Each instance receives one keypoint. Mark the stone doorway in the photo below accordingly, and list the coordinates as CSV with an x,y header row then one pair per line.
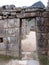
x,y
28,36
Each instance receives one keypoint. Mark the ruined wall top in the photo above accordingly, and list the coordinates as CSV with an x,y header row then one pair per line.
x,y
13,12
18,12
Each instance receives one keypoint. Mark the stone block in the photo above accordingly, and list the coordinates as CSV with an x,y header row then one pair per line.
x,y
40,29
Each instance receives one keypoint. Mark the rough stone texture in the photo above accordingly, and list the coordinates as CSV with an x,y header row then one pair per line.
x,y
9,31
9,27
42,29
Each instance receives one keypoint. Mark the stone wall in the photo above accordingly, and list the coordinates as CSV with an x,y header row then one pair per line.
x,y
42,31
9,32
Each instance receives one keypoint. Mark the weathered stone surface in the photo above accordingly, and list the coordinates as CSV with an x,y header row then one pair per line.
x,y
46,14
9,28
40,21
9,32
46,21
40,29
42,41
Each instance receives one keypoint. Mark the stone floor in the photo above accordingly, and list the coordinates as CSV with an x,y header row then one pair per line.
x,y
20,62
29,43
29,47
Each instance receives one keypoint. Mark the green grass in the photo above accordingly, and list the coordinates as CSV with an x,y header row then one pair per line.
x,y
44,60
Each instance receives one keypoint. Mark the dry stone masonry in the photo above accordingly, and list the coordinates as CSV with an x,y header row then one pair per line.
x,y
14,26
